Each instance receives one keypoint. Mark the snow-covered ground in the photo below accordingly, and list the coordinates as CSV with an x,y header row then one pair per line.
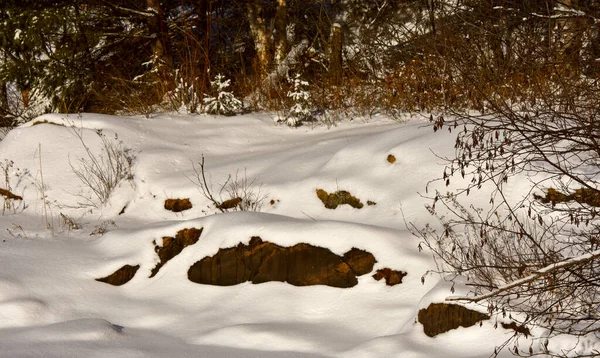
x,y
52,306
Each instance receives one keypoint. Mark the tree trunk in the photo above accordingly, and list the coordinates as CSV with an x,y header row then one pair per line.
x,y
204,12
335,55
25,97
4,110
572,35
280,36
3,97
431,6
258,30
158,30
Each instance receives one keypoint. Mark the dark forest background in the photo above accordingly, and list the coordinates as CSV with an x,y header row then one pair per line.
x,y
358,57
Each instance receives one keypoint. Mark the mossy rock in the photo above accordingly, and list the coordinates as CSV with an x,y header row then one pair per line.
x,y
340,197
45,121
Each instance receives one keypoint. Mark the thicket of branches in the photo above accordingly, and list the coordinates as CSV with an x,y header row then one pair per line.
x,y
531,257
143,56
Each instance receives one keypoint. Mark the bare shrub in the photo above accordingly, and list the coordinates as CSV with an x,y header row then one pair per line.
x,y
101,173
248,190
534,259
236,193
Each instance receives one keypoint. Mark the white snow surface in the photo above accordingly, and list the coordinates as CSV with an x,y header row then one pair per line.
x,y
52,306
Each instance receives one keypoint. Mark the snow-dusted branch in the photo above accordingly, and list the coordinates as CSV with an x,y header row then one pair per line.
x,y
534,276
292,58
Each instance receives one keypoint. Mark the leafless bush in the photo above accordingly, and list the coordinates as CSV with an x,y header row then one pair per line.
x,y
101,173
236,193
534,259
251,193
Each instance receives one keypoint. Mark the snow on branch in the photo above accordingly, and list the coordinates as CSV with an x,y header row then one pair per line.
x,y
148,13
534,276
292,58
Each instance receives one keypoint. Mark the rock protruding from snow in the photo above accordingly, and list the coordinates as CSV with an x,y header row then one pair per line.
x,y
340,197
178,205
121,276
441,317
172,246
299,265
392,277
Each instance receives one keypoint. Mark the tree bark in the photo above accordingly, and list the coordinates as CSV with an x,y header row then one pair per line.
x,y
158,30
335,55
280,35
258,30
572,34
3,97
204,12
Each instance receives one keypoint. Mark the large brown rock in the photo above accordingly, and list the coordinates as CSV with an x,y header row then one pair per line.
x,y
172,246
121,276
299,265
442,317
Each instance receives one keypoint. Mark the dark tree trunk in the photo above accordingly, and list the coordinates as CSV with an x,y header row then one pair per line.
x,y
335,56
158,30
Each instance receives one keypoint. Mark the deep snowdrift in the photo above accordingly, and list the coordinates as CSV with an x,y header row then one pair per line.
x,y
51,304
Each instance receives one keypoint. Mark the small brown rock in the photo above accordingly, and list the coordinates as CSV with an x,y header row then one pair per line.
x,y
391,158
172,246
340,197
7,194
177,205
517,328
392,277
360,261
230,204
121,276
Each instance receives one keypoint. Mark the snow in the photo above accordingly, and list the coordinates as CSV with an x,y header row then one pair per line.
x,y
51,305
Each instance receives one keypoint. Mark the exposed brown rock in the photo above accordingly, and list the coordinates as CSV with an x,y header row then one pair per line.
x,y
391,158
121,276
333,200
392,277
299,265
8,195
177,205
229,204
583,196
442,317
517,328
172,246
360,261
